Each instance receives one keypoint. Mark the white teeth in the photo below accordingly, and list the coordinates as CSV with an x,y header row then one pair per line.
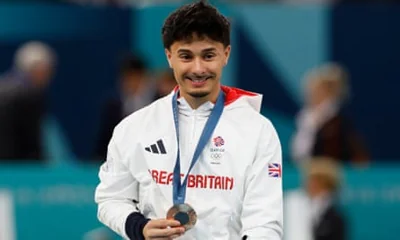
x,y
198,80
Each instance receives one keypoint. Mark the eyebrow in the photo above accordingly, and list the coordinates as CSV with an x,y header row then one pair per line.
x,y
184,51
211,49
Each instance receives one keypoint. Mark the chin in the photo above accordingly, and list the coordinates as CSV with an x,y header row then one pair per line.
x,y
199,93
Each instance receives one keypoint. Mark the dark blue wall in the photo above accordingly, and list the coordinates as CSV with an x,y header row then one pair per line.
x,y
367,40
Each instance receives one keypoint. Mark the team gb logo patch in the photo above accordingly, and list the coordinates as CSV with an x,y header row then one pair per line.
x,y
217,151
218,141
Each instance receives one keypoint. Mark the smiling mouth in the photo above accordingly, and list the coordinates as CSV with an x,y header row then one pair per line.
x,y
198,80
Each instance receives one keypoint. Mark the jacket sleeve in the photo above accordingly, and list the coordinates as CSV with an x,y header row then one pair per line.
x,y
262,213
117,192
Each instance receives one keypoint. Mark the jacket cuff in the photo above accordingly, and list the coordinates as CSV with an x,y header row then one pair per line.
x,y
134,226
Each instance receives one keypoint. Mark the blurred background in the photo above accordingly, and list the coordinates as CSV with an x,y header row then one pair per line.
x,y
328,70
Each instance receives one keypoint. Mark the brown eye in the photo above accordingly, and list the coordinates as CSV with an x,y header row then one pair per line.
x,y
185,57
209,56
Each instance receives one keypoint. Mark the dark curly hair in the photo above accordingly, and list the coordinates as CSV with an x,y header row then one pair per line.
x,y
200,19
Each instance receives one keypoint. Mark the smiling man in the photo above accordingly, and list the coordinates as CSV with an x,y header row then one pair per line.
x,y
202,162
197,61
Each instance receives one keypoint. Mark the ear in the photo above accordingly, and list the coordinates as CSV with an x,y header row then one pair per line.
x,y
169,56
227,53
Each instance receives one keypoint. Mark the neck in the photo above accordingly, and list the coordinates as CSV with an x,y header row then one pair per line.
x,y
196,102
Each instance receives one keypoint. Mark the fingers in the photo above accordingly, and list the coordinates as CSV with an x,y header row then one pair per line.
x,y
166,232
163,229
167,238
176,236
164,223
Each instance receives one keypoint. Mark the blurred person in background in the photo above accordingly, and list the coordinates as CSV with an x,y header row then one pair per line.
x,y
23,102
165,84
136,92
313,213
323,129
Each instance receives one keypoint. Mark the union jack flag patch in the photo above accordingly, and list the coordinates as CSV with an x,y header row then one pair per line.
x,y
274,170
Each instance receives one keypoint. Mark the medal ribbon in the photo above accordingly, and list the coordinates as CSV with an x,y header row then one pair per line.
x,y
179,190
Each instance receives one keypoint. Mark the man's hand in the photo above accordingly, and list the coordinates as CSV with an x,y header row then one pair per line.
x,y
162,229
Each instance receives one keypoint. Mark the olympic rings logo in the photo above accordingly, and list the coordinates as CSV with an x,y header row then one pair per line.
x,y
216,155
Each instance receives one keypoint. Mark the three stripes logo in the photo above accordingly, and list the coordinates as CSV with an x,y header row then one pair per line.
x,y
157,148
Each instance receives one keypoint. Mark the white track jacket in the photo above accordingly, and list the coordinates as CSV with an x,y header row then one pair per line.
x,y
235,186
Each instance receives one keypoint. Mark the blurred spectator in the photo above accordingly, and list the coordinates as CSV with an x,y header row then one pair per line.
x,y
323,182
136,91
165,84
323,129
313,213
22,102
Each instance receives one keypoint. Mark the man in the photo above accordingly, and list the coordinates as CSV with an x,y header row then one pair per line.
x,y
22,102
234,189
135,92
323,180
323,129
313,212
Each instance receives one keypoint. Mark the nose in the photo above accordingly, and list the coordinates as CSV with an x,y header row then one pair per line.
x,y
198,66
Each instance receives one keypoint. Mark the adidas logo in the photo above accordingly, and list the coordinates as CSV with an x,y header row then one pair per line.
x,y
157,148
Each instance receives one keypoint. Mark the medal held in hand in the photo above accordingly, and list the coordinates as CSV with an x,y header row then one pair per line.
x,y
181,211
184,214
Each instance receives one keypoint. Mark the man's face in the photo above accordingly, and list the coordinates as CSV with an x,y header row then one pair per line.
x,y
131,81
316,93
198,66
41,74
